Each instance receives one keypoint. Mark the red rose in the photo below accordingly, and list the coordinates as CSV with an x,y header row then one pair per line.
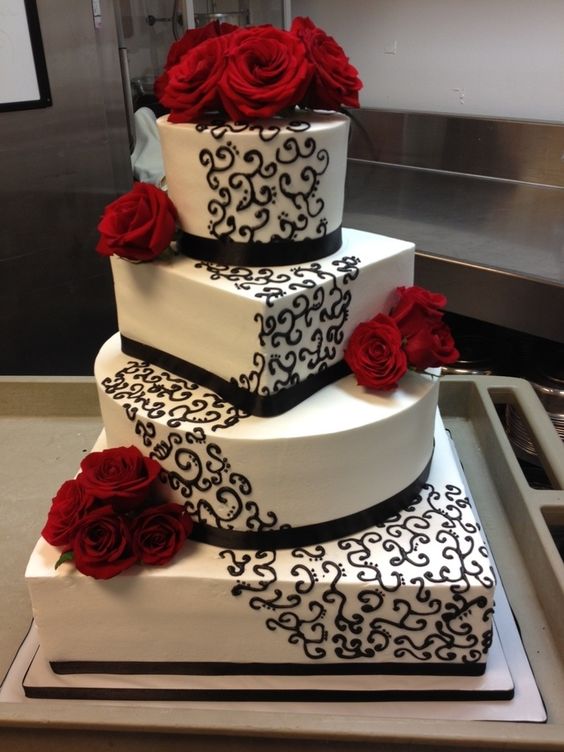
x,y
431,347
266,72
122,476
416,308
70,504
192,38
427,340
374,353
139,225
159,532
335,81
192,87
102,544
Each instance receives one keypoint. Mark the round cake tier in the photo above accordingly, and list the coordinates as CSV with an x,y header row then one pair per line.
x,y
240,186
340,458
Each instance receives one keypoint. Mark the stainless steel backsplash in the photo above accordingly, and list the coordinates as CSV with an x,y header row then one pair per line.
x,y
524,151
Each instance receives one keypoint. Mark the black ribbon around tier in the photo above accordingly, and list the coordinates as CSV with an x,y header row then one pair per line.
x,y
264,406
273,253
309,535
141,693
269,406
228,668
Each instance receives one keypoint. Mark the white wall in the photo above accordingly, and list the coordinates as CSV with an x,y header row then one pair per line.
x,y
498,58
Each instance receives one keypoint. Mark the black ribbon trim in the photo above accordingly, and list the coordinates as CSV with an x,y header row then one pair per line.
x,y
266,406
228,668
273,253
267,695
309,535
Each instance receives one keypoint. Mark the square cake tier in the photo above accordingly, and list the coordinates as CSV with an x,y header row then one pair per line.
x,y
414,594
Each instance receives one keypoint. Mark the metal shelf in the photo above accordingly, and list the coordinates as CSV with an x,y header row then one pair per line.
x,y
482,200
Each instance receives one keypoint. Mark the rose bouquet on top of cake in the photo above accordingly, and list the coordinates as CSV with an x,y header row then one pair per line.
x,y
255,72
243,74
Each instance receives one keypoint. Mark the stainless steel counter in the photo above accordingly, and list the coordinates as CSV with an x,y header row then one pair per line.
x,y
493,245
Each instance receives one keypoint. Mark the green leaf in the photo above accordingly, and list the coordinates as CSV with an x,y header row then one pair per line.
x,y
67,556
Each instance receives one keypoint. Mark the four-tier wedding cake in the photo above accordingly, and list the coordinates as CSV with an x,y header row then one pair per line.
x,y
273,492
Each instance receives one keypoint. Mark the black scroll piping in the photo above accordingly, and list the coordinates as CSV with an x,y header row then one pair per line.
x,y
265,406
321,532
280,252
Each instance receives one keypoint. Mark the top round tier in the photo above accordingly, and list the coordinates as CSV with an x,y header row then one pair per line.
x,y
264,193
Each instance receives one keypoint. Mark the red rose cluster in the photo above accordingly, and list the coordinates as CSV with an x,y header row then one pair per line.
x,y
105,518
255,72
139,225
412,336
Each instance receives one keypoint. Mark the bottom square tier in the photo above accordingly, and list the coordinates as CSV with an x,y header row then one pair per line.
x,y
413,595
495,684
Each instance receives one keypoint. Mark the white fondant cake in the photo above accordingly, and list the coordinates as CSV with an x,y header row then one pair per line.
x,y
271,180
320,542
411,595
258,335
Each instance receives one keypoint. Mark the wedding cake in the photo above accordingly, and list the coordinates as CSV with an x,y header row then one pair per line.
x,y
274,492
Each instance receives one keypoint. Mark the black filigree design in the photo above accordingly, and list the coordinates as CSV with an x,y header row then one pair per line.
x,y
360,555
252,181
390,591
303,196
158,394
271,284
307,331
262,567
196,468
219,128
463,561
237,566
215,494
267,282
